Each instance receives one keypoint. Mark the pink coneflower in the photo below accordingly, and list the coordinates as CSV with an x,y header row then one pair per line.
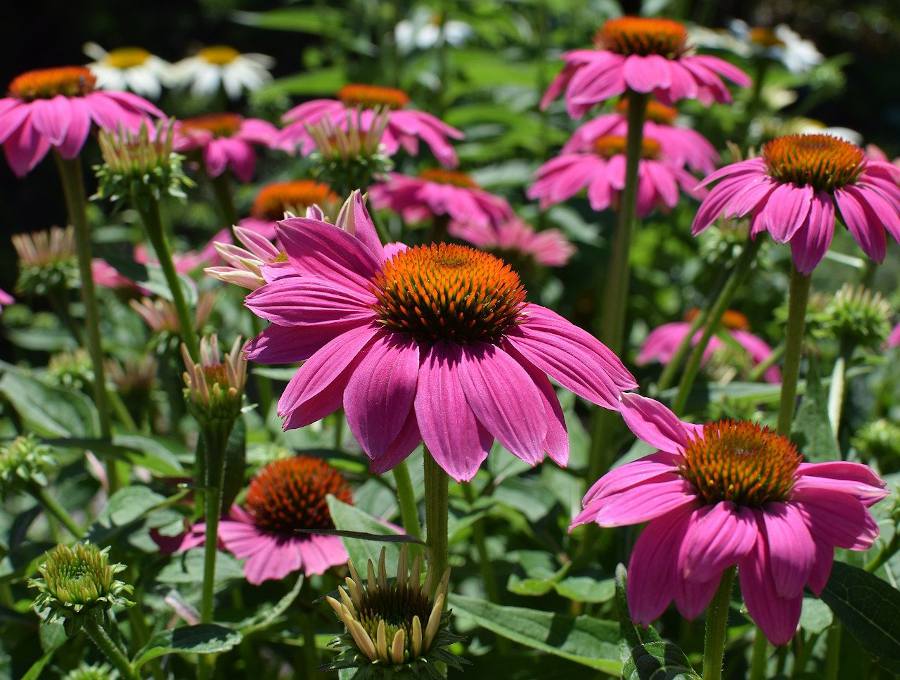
x,y
730,493
55,108
602,172
5,299
405,127
287,495
643,55
796,188
892,341
662,342
515,238
681,146
434,342
440,194
274,199
226,140
107,276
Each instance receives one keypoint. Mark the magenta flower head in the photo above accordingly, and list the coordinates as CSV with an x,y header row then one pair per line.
x,y
601,170
362,104
643,55
517,240
662,342
797,187
437,194
432,343
682,146
55,108
730,493
226,141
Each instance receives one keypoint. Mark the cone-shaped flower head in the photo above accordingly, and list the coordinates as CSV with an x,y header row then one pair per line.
x,y
78,580
724,494
397,627
214,386
856,316
798,187
46,260
24,462
139,162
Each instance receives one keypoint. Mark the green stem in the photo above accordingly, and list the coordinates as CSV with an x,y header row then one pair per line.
x,y
615,297
484,560
763,366
222,188
836,391
110,649
717,628
759,658
406,497
833,652
310,652
148,207
887,552
73,188
53,506
215,440
437,504
671,369
793,348
713,319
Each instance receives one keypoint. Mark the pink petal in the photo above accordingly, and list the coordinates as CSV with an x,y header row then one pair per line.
x,y
12,118
25,148
645,74
654,423
381,391
504,399
865,227
717,537
626,476
79,127
276,561
403,445
836,519
641,503
811,242
309,301
853,478
775,615
791,548
451,432
50,118
288,345
785,211
317,387
358,222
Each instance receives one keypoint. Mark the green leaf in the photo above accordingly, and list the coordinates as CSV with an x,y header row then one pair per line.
x,y
267,615
129,504
49,411
869,608
815,617
235,463
322,81
187,569
204,638
587,589
157,454
527,495
811,429
348,518
320,20
585,640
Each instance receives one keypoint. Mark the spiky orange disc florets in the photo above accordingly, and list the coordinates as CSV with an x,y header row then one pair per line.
x,y
370,96
741,462
448,292
658,113
219,124
274,199
46,83
290,494
821,161
608,146
643,36
441,176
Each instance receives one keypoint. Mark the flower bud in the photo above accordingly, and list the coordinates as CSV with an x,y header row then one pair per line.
x,y
46,260
25,462
214,387
856,316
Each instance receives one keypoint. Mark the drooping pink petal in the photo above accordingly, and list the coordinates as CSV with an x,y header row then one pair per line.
x,y
288,345
863,224
811,242
654,423
50,118
776,616
785,211
319,553
836,518
791,548
449,428
77,132
639,471
641,503
853,478
718,536
504,399
380,394
403,445
309,301
646,73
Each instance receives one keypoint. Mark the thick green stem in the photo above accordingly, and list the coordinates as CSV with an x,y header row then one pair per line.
x,y
73,188
615,295
793,348
713,319
717,628
110,649
310,652
759,658
437,504
53,506
148,207
406,497
222,187
215,440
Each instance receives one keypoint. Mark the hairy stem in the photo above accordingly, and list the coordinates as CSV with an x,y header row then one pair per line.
x,y
717,628
110,649
437,504
793,348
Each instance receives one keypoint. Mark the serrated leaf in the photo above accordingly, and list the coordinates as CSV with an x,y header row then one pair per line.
x,y
811,429
584,640
869,608
204,638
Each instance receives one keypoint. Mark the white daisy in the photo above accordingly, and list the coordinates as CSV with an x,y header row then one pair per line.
x,y
781,44
223,66
128,68
422,30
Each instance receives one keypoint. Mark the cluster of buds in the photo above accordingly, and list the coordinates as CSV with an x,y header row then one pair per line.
x,y
24,463
214,386
47,261
350,157
397,628
76,582
162,318
855,316
139,163
71,369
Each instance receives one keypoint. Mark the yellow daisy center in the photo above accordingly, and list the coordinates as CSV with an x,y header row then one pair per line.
x,y
821,161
